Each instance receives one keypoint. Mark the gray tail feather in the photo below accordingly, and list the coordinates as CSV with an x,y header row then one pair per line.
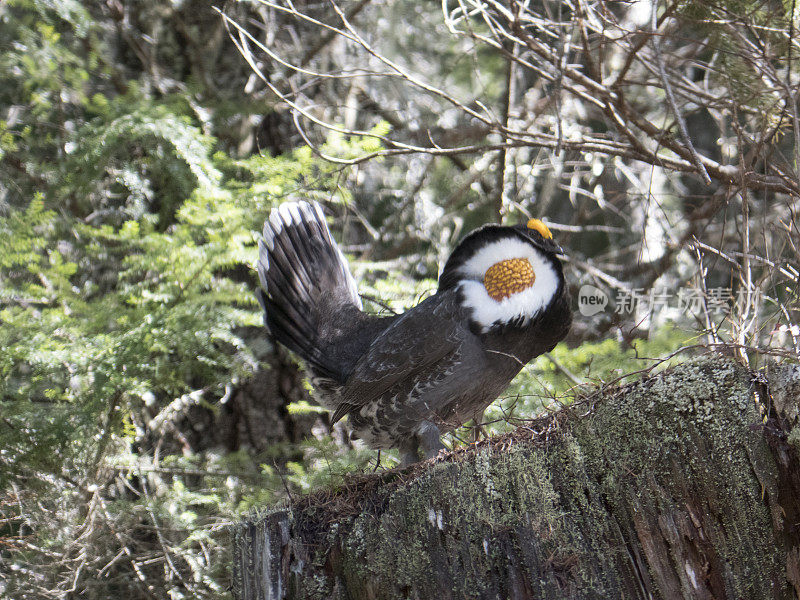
x,y
300,268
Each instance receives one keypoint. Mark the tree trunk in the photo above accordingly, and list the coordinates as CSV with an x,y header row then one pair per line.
x,y
683,485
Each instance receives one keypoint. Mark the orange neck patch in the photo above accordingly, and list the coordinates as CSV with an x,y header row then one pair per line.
x,y
508,277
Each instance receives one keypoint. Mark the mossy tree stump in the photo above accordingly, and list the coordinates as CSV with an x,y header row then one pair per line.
x,y
683,485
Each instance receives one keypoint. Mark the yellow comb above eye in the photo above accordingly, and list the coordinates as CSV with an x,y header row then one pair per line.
x,y
540,227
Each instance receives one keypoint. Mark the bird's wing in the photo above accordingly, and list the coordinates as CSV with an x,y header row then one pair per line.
x,y
430,333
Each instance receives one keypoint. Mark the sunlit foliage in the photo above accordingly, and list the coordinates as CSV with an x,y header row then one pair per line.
x,y
139,157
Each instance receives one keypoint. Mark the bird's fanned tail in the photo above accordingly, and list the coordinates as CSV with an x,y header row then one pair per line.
x,y
304,281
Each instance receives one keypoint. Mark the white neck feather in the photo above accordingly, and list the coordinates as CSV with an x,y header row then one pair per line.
x,y
486,311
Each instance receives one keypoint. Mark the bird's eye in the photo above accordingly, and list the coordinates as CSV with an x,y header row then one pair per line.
x,y
508,277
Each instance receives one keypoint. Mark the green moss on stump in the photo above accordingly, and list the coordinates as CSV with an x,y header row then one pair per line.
x,y
666,489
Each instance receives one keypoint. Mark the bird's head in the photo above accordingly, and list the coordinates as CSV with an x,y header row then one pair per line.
x,y
507,275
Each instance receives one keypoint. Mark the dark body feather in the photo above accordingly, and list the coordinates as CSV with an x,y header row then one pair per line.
x,y
402,380
431,366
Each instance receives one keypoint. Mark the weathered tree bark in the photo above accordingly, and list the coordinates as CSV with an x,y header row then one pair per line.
x,y
683,485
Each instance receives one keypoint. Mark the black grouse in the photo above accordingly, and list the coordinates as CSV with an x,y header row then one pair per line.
x,y
404,380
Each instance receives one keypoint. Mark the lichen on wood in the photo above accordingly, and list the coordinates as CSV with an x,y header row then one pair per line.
x,y
682,485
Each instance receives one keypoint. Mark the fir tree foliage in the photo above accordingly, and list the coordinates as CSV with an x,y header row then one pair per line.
x,y
125,286
133,187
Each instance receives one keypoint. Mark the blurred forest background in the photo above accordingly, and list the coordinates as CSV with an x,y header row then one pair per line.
x,y
142,144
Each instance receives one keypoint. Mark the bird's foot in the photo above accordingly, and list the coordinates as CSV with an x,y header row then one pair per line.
x,y
478,432
427,439
430,440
